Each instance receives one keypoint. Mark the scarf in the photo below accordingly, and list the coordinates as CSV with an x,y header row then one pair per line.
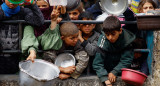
x,y
46,13
8,11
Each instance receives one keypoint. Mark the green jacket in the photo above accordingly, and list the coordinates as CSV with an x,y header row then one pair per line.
x,y
49,40
112,57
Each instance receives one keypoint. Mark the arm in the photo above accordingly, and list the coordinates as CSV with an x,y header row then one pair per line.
x,y
126,59
33,15
82,59
29,43
98,66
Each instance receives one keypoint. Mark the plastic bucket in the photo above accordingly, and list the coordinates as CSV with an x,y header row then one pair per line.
x,y
58,2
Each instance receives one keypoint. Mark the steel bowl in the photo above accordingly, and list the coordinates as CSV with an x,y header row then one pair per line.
x,y
65,60
72,4
38,73
114,7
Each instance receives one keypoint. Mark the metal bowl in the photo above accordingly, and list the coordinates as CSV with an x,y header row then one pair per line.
x,y
40,70
72,4
115,7
65,60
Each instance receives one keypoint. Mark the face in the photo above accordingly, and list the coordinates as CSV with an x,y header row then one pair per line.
x,y
147,6
10,5
74,14
42,4
87,28
113,36
70,40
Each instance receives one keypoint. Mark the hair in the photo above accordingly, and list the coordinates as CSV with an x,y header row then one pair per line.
x,y
68,29
111,23
139,43
87,15
80,8
142,2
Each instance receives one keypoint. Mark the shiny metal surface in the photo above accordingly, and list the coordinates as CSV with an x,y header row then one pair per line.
x,y
40,70
115,7
65,60
72,4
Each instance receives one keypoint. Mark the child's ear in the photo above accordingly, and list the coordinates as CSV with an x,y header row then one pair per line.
x,y
62,37
120,31
94,25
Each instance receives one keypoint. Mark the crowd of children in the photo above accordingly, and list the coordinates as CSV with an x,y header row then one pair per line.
x,y
106,51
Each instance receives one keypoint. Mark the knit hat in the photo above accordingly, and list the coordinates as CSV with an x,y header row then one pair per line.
x,y
16,1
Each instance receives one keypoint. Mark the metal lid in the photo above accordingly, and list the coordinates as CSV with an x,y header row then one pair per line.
x,y
114,7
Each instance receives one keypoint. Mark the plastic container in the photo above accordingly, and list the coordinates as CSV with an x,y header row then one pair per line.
x,y
148,22
133,77
58,2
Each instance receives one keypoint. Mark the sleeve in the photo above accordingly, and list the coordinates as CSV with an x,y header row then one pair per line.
x,y
126,59
98,66
90,47
82,59
51,39
33,15
29,41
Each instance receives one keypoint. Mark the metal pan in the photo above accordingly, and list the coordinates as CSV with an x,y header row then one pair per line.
x,y
114,7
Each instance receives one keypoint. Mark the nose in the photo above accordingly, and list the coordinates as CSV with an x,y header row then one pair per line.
x,y
75,40
71,16
109,37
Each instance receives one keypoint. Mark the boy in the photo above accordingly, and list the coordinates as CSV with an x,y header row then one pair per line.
x,y
9,33
88,37
114,51
53,43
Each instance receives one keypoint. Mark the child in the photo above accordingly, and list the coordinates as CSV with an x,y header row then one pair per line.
x,y
9,33
144,7
75,13
54,44
88,37
114,51
140,58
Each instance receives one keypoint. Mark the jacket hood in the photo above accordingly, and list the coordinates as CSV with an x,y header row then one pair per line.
x,y
123,41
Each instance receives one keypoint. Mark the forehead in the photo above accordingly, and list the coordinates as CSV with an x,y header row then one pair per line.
x,y
74,11
41,2
147,4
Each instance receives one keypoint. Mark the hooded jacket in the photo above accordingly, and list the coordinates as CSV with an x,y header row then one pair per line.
x,y
112,57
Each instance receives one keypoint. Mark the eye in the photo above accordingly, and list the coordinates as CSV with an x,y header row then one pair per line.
x,y
75,13
44,5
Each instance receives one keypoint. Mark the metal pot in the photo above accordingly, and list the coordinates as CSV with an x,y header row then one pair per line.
x,y
39,73
65,60
72,4
114,7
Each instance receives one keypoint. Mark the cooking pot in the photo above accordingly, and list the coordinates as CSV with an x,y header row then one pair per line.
x,y
39,73
65,60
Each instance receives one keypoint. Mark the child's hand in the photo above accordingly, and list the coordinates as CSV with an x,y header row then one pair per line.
x,y
63,10
59,20
64,76
32,55
69,69
111,77
80,36
108,83
55,13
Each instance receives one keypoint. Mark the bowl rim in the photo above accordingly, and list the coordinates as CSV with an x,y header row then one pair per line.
x,y
38,60
56,60
127,69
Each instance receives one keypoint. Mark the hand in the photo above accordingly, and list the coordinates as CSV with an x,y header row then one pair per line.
x,y
80,36
108,83
64,76
32,55
63,10
59,20
55,13
69,69
111,77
